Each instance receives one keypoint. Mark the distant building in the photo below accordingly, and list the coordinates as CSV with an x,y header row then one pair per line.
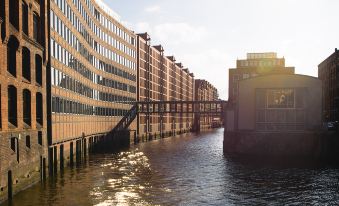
x,y
205,91
256,64
328,72
161,78
279,103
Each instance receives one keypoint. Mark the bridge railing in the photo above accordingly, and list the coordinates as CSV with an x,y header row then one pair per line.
x,y
210,108
202,107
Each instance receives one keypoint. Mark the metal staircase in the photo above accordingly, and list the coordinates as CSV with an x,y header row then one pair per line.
x,y
126,120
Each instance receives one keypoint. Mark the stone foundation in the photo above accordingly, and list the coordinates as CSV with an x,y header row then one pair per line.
x,y
307,144
21,165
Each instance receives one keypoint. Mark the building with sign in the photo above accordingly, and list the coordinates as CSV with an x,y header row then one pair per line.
x,y
275,114
279,103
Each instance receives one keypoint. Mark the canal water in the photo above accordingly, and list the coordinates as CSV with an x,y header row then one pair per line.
x,y
185,170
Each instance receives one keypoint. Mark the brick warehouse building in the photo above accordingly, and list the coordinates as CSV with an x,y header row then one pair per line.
x,y
328,72
256,64
160,78
93,74
205,91
23,119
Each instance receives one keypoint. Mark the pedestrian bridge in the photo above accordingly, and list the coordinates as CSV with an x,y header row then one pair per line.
x,y
210,108
119,136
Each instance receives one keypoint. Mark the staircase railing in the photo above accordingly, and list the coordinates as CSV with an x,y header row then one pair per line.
x,y
126,120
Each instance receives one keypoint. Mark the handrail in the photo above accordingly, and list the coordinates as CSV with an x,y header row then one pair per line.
x,y
126,120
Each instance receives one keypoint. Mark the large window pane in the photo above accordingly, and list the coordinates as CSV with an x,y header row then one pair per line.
x,y
24,18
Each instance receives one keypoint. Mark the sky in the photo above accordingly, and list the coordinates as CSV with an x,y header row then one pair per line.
x,y
209,36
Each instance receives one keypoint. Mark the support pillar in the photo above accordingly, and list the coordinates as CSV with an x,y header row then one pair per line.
x,y
55,167
61,157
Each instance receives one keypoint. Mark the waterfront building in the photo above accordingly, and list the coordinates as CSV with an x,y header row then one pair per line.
x,y
328,72
160,78
23,113
205,91
93,74
256,64
276,114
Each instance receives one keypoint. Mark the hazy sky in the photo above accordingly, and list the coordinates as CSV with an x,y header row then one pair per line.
x,y
207,36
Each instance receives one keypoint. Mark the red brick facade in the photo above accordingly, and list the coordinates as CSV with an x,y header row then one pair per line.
x,y
160,78
205,91
23,119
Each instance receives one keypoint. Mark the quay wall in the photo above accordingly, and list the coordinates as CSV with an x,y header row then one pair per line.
x,y
282,144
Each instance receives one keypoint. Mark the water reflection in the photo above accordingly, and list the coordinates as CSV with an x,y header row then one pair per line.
x,y
121,184
185,170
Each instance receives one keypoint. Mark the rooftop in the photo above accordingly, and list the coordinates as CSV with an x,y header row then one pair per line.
x,y
264,55
108,10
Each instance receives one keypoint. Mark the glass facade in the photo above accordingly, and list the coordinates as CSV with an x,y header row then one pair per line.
x,y
93,72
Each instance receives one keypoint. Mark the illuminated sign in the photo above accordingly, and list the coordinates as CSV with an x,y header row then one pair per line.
x,y
280,98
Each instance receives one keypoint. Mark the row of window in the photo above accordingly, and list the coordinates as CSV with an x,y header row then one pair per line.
x,y
274,62
14,144
25,18
61,54
74,42
88,74
26,107
62,80
12,48
14,18
60,27
116,71
65,106
103,20
116,85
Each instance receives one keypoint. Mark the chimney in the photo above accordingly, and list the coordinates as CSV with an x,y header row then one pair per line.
x,y
172,58
145,36
159,48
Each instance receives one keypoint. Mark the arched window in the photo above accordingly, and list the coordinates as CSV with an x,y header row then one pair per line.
x,y
39,108
12,105
26,97
2,9
12,47
26,63
36,28
24,14
28,141
38,69
13,14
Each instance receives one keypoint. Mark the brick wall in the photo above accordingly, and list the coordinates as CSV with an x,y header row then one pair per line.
x,y
22,145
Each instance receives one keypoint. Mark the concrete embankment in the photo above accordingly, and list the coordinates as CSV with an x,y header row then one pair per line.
x,y
309,145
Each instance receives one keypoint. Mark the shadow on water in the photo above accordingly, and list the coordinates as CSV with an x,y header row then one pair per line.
x,y
282,162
